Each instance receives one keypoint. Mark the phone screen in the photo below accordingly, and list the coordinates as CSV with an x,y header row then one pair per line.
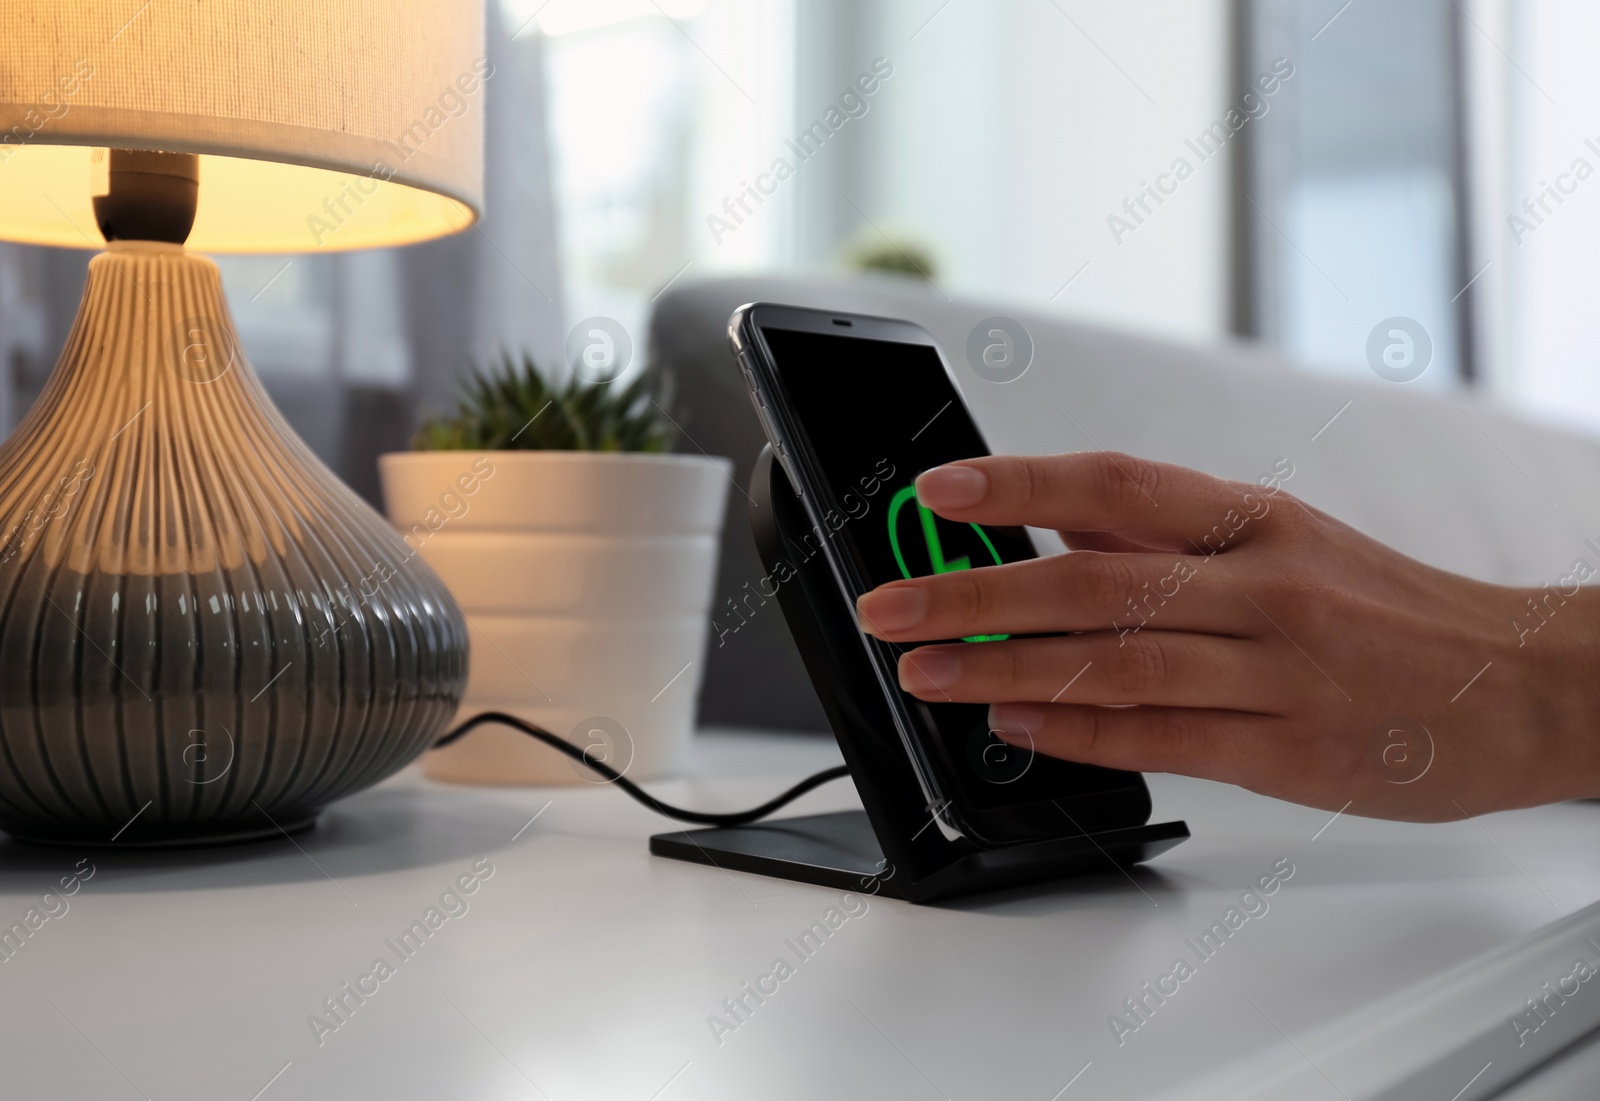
x,y
874,414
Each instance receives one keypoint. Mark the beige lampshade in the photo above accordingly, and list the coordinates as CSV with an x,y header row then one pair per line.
x,y
320,125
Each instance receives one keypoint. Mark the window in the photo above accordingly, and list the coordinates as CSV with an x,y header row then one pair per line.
x,y
640,165
1352,210
1538,202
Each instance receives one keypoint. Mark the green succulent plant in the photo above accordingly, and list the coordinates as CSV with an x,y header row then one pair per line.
x,y
880,254
512,406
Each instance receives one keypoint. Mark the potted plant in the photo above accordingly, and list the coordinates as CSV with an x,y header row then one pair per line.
x,y
582,554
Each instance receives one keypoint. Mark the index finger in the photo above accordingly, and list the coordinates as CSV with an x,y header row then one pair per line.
x,y
1098,491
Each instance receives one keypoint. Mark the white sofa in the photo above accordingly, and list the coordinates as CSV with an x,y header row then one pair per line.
x,y
1446,478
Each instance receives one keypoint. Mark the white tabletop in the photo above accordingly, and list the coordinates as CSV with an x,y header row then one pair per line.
x,y
582,967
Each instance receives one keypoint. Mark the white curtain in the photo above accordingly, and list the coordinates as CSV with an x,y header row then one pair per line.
x,y
1536,201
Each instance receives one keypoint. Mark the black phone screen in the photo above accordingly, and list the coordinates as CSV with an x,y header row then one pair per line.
x,y
874,414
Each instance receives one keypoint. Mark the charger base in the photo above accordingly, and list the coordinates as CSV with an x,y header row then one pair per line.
x,y
841,851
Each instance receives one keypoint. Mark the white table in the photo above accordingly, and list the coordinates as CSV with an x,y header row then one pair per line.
x,y
585,968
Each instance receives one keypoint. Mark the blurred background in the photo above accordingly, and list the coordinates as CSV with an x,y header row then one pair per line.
x,y
1413,157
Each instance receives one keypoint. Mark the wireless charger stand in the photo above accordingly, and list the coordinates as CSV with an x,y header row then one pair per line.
x,y
892,847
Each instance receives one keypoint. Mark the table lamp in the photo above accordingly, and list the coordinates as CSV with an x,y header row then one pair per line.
x,y
204,634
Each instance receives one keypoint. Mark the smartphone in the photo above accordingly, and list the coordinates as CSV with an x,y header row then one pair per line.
x,y
855,408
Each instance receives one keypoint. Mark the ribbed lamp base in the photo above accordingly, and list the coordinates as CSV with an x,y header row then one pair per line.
x,y
204,635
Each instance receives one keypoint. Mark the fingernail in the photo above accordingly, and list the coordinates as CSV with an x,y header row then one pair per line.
x,y
929,670
1015,720
896,609
952,487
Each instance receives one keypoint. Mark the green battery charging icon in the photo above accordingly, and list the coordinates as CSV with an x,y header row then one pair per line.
x,y
929,526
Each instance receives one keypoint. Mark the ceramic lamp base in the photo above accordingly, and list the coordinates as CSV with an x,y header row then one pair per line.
x,y
204,635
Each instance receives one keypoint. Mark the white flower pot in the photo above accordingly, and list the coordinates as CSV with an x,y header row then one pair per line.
x,y
586,580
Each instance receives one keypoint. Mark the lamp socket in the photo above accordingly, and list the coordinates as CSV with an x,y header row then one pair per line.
x,y
142,195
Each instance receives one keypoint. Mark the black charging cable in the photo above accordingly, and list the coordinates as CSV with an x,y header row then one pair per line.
x,y
581,755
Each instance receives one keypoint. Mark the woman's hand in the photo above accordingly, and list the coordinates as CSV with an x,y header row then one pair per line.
x,y
1258,641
